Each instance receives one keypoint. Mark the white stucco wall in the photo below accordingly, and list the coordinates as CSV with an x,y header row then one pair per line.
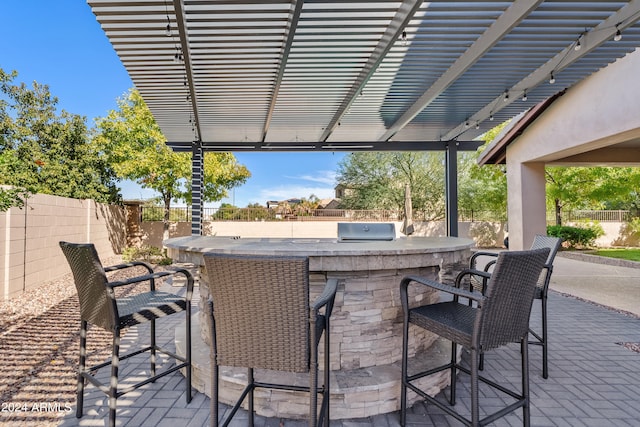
x,y
598,112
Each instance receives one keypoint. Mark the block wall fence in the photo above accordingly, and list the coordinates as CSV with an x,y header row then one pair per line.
x,y
486,234
29,236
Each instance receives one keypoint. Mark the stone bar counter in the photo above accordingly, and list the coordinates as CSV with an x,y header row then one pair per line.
x,y
366,325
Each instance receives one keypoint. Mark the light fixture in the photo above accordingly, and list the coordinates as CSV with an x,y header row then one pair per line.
x,y
578,44
506,96
618,36
524,96
168,30
466,123
477,125
552,79
177,58
404,38
491,116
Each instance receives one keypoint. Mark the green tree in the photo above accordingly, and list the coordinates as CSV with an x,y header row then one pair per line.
x,y
307,206
134,145
482,188
43,151
259,212
368,178
629,197
588,187
11,197
377,180
227,211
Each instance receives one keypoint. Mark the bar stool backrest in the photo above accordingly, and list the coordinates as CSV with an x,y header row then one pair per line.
x,y
505,313
261,311
97,300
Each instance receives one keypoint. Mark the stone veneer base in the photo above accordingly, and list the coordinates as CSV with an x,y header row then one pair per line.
x,y
371,391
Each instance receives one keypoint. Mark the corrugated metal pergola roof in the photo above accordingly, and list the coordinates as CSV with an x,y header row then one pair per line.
x,y
334,74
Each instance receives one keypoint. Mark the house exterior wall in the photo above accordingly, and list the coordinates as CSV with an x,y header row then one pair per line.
x,y
527,204
30,255
593,116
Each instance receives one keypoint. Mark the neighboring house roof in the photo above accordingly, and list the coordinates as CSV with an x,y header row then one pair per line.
x,y
329,203
275,203
496,152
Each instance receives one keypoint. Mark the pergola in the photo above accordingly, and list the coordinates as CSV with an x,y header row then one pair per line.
x,y
350,75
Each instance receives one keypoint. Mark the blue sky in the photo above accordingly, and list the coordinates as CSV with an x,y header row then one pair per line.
x,y
60,43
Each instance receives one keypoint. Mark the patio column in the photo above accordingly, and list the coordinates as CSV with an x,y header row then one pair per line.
x,y
197,178
451,188
526,203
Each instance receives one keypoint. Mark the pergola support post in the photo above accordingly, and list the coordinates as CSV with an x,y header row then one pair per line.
x,y
197,179
451,188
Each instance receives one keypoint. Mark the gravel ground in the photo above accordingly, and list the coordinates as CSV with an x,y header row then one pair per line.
x,y
39,344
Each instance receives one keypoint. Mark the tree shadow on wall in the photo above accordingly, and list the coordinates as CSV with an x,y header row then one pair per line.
x,y
629,234
116,222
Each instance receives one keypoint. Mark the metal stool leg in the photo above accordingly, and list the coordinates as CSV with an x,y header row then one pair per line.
x,y
113,384
545,363
81,368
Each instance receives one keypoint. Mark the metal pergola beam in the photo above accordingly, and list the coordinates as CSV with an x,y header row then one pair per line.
x,y
351,146
295,72
405,13
188,66
589,41
502,26
286,49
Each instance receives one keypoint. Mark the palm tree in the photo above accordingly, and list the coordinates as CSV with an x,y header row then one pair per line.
x,y
307,206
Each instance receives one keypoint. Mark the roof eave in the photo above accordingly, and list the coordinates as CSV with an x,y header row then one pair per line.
x,y
496,152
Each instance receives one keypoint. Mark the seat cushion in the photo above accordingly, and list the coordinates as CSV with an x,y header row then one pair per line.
x,y
450,320
148,306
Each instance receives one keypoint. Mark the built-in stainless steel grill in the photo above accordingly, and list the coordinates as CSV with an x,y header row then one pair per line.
x,y
365,232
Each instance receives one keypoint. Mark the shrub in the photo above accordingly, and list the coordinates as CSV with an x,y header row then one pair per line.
x,y
149,254
577,237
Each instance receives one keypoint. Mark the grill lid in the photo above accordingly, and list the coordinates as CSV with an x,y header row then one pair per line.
x,y
365,232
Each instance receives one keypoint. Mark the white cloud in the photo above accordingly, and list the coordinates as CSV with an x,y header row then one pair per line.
x,y
324,177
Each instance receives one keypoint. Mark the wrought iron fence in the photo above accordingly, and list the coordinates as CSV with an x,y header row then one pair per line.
x,y
591,215
156,213
475,215
180,214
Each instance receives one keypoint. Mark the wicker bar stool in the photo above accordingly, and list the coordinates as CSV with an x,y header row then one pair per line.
x,y
499,317
537,336
100,307
261,318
